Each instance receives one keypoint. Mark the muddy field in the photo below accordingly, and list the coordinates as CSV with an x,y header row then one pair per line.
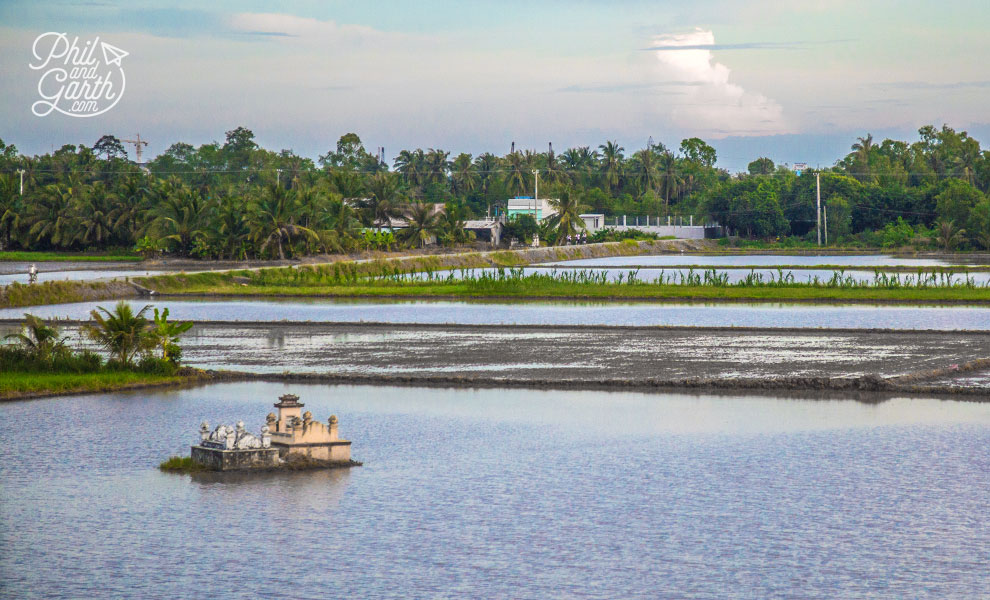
x,y
592,357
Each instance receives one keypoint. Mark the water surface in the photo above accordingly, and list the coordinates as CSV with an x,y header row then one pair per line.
x,y
770,260
836,316
502,493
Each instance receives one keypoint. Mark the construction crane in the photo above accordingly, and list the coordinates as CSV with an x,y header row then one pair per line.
x,y
137,146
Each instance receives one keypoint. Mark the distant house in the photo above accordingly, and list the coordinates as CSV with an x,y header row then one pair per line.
x,y
487,230
593,221
525,205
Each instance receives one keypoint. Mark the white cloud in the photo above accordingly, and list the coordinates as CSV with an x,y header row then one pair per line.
x,y
712,104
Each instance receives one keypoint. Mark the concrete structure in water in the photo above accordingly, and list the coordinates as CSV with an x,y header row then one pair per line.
x,y
288,439
298,435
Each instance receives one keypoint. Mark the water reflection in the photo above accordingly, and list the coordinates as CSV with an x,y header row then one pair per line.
x,y
512,493
835,316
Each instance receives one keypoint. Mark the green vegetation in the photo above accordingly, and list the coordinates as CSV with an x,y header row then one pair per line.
x,y
39,360
924,285
13,384
235,200
57,292
180,464
22,256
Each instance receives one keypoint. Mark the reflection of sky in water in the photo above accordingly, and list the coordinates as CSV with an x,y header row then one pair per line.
x,y
863,260
552,313
519,493
649,275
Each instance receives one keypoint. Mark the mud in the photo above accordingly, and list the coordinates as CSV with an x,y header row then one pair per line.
x,y
571,357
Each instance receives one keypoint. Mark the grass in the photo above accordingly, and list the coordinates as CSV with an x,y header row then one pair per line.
x,y
14,384
333,281
65,257
58,292
180,464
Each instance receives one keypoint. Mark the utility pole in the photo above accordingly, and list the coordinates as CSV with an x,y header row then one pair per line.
x,y
21,171
138,143
825,211
536,201
818,215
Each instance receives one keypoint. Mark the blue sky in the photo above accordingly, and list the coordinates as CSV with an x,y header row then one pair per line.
x,y
796,81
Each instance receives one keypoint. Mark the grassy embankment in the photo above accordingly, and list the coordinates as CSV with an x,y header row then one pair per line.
x,y
62,292
21,256
26,384
379,279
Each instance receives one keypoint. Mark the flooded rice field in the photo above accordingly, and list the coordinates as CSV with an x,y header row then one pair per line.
x,y
502,493
762,315
773,260
732,276
582,355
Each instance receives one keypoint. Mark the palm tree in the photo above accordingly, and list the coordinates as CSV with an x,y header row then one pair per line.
x,y
451,225
10,208
274,217
863,149
567,220
385,195
423,224
179,213
967,162
670,178
41,340
948,235
463,175
437,165
645,169
411,164
611,165
122,333
93,214
517,173
486,165
47,217
553,171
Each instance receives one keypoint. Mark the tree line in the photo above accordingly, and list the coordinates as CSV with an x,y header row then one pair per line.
x,y
236,200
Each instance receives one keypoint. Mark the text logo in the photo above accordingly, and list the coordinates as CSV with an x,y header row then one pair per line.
x,y
79,78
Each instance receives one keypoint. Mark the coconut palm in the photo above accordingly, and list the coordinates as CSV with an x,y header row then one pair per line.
x,y
948,235
463,175
93,213
517,173
40,339
863,149
567,220
437,165
423,225
47,216
180,214
122,332
10,208
553,170
385,196
645,170
611,164
670,178
486,165
273,219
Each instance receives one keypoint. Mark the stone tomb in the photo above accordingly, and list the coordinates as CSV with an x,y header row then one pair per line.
x,y
288,439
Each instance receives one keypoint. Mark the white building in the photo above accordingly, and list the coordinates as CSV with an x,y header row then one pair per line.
x,y
525,205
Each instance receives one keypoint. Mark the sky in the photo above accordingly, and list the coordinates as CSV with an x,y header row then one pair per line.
x,y
795,81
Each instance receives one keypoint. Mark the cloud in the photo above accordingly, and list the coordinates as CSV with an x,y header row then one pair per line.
x,y
714,104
